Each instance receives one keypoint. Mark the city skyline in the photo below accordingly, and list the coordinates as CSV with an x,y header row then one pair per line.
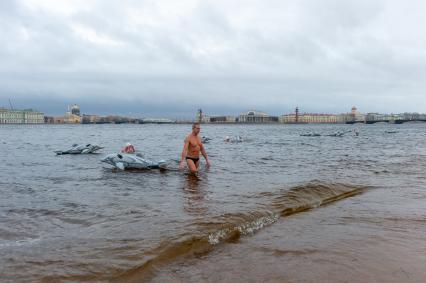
x,y
73,115
189,114
168,58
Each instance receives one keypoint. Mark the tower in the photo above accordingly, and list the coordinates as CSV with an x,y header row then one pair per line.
x,y
199,117
297,114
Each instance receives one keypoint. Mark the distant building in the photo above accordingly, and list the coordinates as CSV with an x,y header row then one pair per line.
x,y
377,117
58,120
90,119
200,117
253,116
314,118
222,119
288,118
205,119
401,117
321,118
27,116
354,116
72,116
412,116
49,120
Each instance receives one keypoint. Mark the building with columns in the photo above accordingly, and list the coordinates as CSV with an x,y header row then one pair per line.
x,y
254,116
27,116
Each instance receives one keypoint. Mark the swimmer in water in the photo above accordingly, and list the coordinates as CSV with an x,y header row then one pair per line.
x,y
191,151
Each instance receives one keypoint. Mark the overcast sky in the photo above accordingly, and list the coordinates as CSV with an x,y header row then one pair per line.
x,y
169,58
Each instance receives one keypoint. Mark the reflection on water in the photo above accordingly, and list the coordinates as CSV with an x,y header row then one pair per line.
x,y
195,191
74,218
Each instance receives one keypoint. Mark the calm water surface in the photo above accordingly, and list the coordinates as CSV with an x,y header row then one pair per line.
x,y
277,207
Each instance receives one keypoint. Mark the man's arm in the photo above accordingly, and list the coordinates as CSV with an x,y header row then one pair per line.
x,y
204,153
184,152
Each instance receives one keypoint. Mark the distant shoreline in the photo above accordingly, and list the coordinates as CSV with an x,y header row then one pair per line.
x,y
216,124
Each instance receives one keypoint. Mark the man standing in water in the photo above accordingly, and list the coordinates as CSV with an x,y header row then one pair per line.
x,y
191,150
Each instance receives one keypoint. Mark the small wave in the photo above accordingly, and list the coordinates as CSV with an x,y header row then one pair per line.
x,y
267,158
311,195
230,228
247,228
166,253
308,144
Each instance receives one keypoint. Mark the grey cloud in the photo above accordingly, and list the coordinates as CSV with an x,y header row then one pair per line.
x,y
323,56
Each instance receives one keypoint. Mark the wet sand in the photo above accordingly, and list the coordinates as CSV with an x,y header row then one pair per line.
x,y
355,240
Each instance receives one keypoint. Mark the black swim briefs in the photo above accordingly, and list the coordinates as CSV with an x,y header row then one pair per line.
x,y
195,159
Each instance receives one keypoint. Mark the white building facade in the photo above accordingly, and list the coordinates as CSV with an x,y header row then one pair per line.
x,y
27,116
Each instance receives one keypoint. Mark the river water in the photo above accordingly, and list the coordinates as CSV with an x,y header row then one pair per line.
x,y
277,207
